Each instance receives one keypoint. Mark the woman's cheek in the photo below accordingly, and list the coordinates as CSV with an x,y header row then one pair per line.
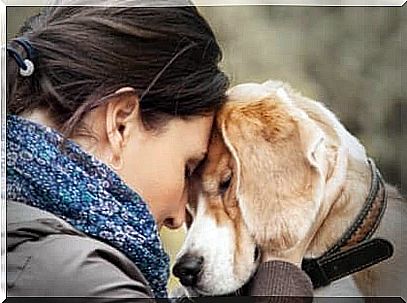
x,y
178,193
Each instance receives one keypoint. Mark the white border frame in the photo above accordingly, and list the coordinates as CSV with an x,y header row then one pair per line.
x,y
3,152
3,7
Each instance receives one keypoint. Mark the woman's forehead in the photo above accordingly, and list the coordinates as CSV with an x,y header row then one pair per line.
x,y
192,134
199,131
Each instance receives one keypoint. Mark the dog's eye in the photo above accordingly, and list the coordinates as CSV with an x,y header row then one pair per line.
x,y
224,185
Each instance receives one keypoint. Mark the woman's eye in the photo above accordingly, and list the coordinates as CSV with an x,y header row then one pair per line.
x,y
224,185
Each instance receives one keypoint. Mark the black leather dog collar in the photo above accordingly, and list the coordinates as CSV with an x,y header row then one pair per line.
x,y
355,251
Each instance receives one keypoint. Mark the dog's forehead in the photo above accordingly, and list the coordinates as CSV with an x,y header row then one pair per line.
x,y
253,92
209,175
247,92
217,159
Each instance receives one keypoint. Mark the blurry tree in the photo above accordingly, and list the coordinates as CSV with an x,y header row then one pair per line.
x,y
353,59
16,15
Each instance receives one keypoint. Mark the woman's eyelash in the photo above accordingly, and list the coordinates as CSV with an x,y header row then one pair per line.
x,y
188,172
191,168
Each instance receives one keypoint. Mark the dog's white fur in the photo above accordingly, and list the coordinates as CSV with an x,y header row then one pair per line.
x,y
213,242
340,181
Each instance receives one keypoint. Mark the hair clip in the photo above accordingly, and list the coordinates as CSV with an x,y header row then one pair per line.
x,y
29,70
26,65
29,49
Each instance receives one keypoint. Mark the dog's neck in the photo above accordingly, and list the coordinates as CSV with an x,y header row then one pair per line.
x,y
344,209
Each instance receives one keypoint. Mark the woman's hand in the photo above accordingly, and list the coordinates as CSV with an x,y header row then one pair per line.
x,y
293,255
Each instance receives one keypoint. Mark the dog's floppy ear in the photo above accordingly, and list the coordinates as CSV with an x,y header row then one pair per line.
x,y
278,152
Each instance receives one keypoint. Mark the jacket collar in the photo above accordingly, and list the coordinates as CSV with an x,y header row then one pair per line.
x,y
355,250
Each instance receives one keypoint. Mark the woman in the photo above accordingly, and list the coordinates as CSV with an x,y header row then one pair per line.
x,y
109,112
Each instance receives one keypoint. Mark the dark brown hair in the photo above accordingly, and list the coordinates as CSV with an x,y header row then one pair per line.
x,y
169,55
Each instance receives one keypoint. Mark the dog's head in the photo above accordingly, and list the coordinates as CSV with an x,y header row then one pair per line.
x,y
261,186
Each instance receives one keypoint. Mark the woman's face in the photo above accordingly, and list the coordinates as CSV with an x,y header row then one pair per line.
x,y
158,166
155,164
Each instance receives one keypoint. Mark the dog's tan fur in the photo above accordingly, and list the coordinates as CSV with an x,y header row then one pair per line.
x,y
224,210
293,163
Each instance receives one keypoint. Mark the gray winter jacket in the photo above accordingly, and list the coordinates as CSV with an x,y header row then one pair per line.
x,y
46,256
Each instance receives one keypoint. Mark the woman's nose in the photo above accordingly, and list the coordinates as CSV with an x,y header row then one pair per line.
x,y
177,219
174,222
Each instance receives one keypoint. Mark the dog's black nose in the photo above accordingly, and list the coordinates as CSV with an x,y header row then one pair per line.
x,y
187,269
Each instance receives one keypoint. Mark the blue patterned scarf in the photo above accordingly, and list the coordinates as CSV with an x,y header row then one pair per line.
x,y
86,193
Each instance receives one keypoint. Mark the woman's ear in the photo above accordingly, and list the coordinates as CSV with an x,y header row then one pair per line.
x,y
278,153
122,118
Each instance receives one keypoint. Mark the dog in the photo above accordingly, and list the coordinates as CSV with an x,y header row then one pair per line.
x,y
276,161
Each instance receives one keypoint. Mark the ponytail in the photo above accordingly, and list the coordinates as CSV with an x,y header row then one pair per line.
x,y
12,71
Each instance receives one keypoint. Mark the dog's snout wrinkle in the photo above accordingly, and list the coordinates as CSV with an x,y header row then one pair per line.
x,y
188,268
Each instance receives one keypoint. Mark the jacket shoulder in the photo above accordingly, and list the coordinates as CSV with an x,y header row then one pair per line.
x,y
46,258
68,265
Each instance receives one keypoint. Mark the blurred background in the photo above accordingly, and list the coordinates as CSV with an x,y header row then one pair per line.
x,y
353,59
